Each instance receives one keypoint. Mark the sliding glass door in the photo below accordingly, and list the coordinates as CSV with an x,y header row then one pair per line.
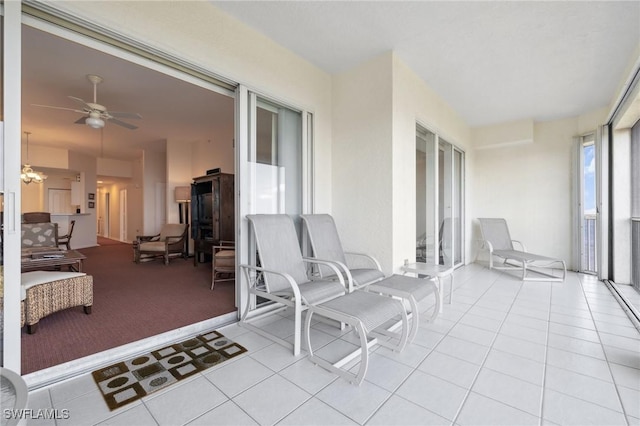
x,y
588,211
274,166
439,200
426,193
9,182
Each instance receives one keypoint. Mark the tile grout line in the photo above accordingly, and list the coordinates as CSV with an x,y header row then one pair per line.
x,y
413,370
546,357
484,360
624,413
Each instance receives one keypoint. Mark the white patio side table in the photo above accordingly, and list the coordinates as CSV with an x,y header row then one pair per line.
x,y
432,270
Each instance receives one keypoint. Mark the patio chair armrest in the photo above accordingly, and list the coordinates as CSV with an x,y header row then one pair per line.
x,y
286,276
336,266
523,248
146,238
370,258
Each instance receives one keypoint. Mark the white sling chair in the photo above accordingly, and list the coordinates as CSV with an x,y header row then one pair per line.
x,y
282,275
360,268
326,245
286,282
497,240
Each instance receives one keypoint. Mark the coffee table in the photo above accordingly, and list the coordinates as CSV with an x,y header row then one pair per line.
x,y
429,270
40,259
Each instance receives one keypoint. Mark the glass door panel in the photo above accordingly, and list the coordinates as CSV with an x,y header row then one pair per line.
x,y
426,190
276,164
439,200
588,204
445,202
458,206
271,169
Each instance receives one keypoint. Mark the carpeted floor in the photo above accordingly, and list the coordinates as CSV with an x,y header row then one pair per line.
x,y
131,302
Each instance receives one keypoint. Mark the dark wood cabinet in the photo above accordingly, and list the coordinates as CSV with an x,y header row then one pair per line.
x,y
212,213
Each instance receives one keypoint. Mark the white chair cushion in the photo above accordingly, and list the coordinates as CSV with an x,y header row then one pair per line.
x,y
158,246
30,279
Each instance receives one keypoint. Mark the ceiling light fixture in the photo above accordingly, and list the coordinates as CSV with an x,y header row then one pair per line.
x,y
28,175
94,121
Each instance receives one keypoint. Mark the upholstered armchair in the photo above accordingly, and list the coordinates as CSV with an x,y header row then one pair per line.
x,y
168,243
36,217
38,235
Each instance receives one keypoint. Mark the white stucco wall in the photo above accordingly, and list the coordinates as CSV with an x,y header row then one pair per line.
x,y
530,185
362,158
376,107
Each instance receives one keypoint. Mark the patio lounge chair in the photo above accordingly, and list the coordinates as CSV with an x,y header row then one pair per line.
x,y
326,245
497,240
286,282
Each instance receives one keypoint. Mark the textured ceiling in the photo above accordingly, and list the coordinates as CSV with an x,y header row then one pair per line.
x,y
54,68
490,61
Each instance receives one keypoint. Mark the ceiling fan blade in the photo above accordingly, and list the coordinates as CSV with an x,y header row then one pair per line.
x,y
122,123
81,120
125,115
80,101
62,108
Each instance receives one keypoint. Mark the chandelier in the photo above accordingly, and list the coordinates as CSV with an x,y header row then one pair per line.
x,y
28,175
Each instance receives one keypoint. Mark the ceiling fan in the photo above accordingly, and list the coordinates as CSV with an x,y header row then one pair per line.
x,y
96,114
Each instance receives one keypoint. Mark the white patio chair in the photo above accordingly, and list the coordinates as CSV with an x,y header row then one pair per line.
x,y
14,396
282,277
326,245
360,268
286,282
497,240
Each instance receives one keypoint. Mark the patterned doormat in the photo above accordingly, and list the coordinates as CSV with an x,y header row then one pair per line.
x,y
130,380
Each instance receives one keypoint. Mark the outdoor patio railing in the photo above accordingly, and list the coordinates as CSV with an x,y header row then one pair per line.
x,y
589,249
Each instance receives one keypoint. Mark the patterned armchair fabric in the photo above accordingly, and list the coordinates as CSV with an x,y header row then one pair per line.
x,y
39,235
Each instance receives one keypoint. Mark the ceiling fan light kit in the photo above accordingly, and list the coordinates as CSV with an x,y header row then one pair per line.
x,y
94,122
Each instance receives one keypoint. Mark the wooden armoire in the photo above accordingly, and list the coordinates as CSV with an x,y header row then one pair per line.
x,y
212,213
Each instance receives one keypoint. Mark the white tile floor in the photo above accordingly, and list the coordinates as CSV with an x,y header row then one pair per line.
x,y
505,352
